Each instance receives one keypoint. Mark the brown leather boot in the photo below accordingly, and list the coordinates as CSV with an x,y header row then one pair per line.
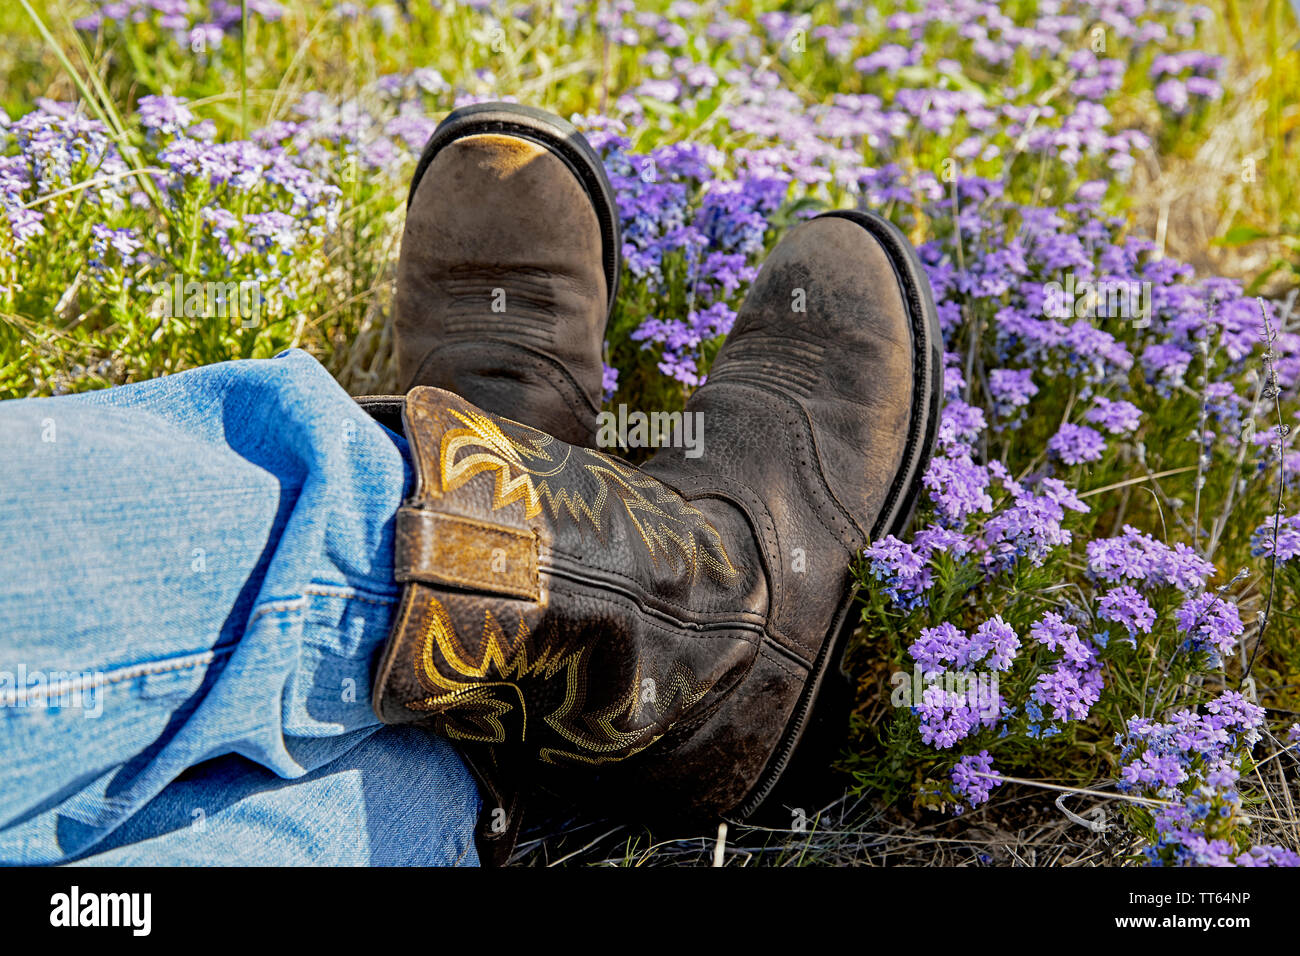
x,y
509,268
654,639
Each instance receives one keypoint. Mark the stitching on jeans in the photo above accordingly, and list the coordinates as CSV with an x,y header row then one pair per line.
x,y
318,590
187,662
346,594
148,670
294,604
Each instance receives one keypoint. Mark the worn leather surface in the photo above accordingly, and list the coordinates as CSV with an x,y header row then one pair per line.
x,y
501,290
680,610
805,417
641,615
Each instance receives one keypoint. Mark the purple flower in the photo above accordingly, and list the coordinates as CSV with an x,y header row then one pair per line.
x,y
1063,495
958,487
1012,389
1211,623
1137,558
949,716
1181,567
609,382
959,424
25,224
167,114
1069,690
273,230
1153,770
995,643
902,572
1053,631
890,57
1267,855
1165,365
1077,444
939,646
125,242
1277,536
1125,605
973,778
936,539
1030,528
1233,712
1203,87
666,91
1173,94
1118,418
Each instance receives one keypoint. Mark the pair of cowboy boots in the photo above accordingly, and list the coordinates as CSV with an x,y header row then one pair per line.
x,y
655,641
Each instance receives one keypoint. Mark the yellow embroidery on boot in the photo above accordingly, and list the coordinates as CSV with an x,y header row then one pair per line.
x,y
536,468
472,709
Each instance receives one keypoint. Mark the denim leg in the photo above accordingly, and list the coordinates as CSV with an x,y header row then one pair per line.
x,y
192,567
396,799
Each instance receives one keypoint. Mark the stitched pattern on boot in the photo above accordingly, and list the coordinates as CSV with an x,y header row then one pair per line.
x,y
471,705
528,470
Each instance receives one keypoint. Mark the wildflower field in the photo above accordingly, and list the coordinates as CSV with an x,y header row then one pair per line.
x,y
1087,649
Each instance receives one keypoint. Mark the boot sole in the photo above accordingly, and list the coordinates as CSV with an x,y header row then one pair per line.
x,y
820,723
562,140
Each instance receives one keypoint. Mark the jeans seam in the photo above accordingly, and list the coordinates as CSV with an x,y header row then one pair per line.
x,y
191,660
347,594
291,604
168,665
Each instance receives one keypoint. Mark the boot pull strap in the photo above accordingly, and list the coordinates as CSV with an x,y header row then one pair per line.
x,y
444,549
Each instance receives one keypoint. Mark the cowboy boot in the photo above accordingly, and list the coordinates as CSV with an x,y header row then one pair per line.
x,y
659,637
508,271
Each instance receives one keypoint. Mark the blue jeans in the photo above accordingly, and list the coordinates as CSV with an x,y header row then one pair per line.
x,y
195,577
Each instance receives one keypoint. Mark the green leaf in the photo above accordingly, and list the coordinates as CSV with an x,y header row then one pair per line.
x,y
1257,283
1240,235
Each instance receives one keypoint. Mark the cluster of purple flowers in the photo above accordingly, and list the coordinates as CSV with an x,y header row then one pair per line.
x,y
196,25
1137,558
1077,444
1278,538
54,146
983,515
1073,682
1211,624
966,701
1181,78
950,716
686,231
1030,527
686,223
1126,606
1192,759
227,210
993,644
1181,831
1116,417
973,778
1011,389
1160,756
902,569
